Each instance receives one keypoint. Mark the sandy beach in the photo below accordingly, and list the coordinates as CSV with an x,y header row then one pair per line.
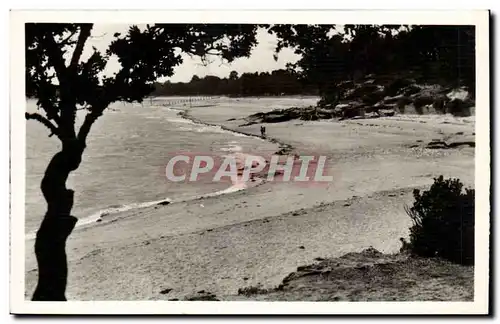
x,y
260,235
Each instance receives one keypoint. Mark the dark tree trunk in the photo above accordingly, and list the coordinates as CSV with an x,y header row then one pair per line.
x,y
57,225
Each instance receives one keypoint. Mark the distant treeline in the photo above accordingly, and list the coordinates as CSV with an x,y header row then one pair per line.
x,y
275,83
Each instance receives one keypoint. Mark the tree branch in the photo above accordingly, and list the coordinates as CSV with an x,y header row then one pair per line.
x,y
82,38
66,41
90,118
44,121
55,58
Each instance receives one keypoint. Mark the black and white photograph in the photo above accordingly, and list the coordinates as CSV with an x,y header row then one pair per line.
x,y
315,162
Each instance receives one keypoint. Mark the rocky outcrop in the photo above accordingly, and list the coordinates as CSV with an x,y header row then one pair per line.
x,y
374,97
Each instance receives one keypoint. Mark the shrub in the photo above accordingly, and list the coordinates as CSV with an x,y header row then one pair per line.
x,y
419,109
439,104
423,101
458,107
402,102
443,222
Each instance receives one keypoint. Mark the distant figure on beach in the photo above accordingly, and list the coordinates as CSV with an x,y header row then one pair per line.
x,y
262,131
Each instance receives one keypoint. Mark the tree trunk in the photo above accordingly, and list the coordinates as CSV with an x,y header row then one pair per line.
x,y
57,225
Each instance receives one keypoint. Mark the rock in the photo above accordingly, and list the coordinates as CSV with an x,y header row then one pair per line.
x,y
353,111
461,143
371,251
444,145
281,287
460,94
368,115
347,205
392,100
341,107
411,90
362,90
166,291
174,299
99,220
437,145
319,259
302,247
203,297
387,112
163,203
396,86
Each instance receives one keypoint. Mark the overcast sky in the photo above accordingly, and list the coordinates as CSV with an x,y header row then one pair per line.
x,y
260,60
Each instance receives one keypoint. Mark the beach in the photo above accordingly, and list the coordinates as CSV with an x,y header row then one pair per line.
x,y
208,239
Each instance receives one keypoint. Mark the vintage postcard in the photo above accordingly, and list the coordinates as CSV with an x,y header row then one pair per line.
x,y
250,162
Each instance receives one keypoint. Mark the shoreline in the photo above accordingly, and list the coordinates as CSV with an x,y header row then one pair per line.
x,y
284,147
107,213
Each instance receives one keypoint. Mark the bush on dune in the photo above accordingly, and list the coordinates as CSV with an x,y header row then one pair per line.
x,y
443,222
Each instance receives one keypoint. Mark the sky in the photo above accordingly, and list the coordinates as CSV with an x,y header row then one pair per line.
x,y
260,60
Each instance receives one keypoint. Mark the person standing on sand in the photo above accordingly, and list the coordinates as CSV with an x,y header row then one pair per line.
x,y
262,131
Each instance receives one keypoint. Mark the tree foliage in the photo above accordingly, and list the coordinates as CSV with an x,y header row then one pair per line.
x,y
144,55
330,55
63,82
275,83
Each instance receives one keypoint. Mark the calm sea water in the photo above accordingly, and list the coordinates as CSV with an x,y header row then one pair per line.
x,y
124,163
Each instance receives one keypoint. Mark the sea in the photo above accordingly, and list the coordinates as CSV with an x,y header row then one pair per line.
x,y
124,164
